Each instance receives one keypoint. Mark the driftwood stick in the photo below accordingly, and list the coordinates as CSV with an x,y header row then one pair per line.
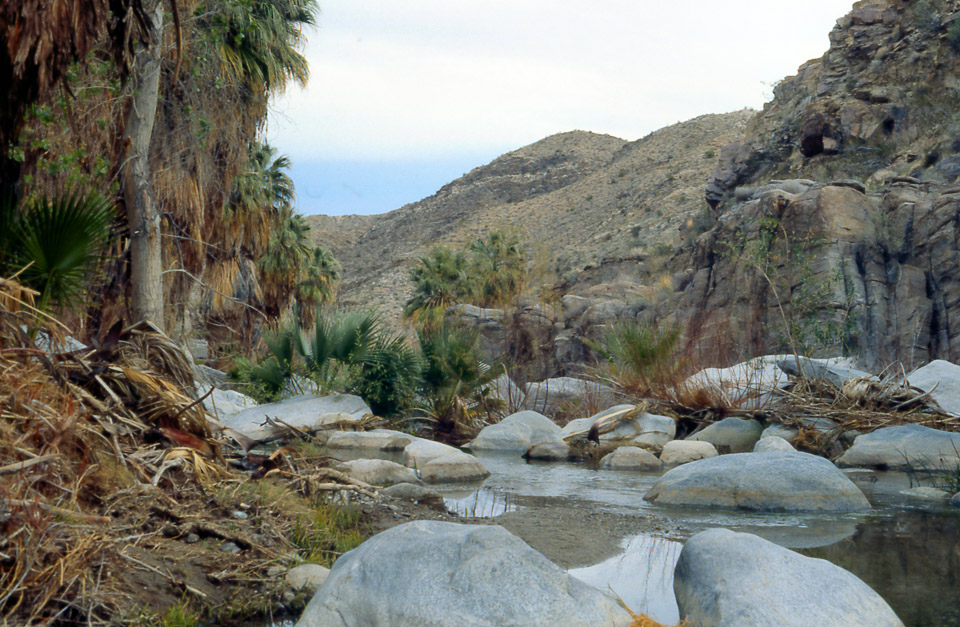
x,y
18,466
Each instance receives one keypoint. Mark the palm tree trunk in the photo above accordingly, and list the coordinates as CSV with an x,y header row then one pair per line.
x,y
146,283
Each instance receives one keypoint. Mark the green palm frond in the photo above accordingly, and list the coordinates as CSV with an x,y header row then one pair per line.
x,y
57,243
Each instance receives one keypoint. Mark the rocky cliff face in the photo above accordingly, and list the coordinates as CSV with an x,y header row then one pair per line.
x,y
874,275
883,101
840,219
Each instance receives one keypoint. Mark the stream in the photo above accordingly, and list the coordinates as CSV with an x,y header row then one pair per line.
x,y
906,550
596,524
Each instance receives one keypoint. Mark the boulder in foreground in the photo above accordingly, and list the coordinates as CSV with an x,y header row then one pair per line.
x,y
732,579
775,481
438,574
631,458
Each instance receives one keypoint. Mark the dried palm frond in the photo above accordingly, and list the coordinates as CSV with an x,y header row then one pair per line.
x,y
145,344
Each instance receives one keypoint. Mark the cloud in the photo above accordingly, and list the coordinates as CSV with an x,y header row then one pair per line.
x,y
427,78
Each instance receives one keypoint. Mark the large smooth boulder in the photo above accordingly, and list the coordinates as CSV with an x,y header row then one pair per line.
x,y
731,435
728,579
377,440
378,472
680,452
420,451
515,433
955,501
551,395
307,412
740,383
553,449
776,481
654,431
903,447
624,427
768,444
647,430
224,403
439,574
631,458
454,467
836,371
942,379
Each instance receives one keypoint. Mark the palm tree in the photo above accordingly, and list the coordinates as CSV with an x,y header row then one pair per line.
x,y
54,245
497,265
258,42
318,280
288,253
440,281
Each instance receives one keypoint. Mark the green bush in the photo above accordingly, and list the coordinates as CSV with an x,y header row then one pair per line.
x,y
454,379
389,376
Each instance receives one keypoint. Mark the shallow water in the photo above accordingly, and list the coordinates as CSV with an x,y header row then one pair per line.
x,y
906,550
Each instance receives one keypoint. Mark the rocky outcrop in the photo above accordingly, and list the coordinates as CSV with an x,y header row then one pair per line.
x,y
444,574
838,271
776,481
727,579
876,105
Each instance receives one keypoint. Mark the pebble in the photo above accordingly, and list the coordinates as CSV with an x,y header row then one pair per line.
x,y
229,547
191,538
238,515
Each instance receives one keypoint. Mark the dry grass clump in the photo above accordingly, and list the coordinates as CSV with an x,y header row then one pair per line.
x,y
106,463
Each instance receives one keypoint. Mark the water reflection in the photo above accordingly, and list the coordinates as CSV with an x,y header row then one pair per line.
x,y
642,576
481,503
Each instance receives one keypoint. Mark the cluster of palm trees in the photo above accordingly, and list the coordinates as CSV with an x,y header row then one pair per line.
x,y
220,200
490,272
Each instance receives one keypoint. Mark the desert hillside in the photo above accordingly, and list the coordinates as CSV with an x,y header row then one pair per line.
x,y
577,198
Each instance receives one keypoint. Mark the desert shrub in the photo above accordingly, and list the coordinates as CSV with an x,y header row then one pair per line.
x,y
264,381
641,355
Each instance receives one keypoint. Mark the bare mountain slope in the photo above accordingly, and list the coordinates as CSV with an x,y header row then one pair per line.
x,y
575,197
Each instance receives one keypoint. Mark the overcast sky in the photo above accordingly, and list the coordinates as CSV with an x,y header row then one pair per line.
x,y
405,96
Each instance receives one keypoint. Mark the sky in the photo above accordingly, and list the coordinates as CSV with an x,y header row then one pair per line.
x,y
405,96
